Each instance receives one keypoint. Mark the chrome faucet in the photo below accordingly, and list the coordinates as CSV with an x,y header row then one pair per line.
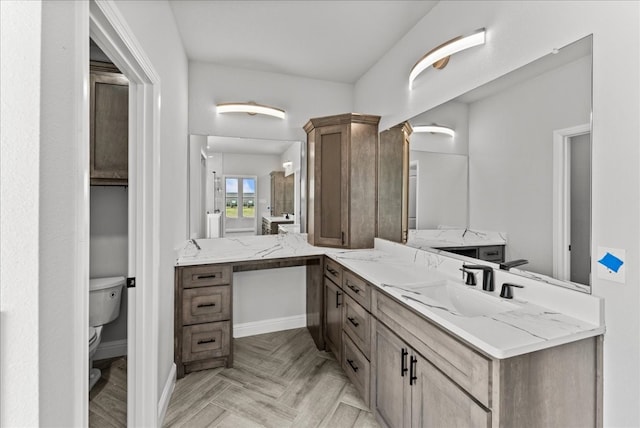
x,y
487,275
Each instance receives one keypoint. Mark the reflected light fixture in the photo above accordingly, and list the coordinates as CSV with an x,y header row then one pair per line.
x,y
287,164
250,108
438,57
435,129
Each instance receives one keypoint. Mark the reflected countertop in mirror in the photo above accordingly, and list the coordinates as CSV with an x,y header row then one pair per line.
x,y
519,163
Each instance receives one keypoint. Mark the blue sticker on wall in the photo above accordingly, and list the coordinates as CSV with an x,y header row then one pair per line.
x,y
611,262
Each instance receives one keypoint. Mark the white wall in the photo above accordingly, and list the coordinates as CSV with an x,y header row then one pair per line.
x,y
153,24
454,115
20,48
108,243
519,32
511,158
441,189
301,98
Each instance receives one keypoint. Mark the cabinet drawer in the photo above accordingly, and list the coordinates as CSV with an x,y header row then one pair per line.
x,y
202,341
356,322
494,253
206,304
358,289
356,366
207,275
333,270
469,369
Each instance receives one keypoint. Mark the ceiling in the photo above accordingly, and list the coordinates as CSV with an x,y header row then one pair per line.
x,y
328,40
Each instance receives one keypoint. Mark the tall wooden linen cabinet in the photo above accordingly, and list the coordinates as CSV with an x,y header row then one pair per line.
x,y
393,183
342,153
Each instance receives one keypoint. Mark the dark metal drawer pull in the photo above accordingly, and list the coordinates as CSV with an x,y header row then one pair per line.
x,y
353,321
338,294
200,342
491,253
206,305
332,271
353,287
215,275
353,366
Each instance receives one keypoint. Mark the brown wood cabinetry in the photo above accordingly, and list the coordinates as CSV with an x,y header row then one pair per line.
x,y
281,194
203,314
109,129
341,177
393,183
333,298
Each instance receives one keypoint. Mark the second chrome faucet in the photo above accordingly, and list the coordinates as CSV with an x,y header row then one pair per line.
x,y
487,275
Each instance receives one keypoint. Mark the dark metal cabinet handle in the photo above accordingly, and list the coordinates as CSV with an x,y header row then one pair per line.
x,y
414,371
332,271
353,366
491,253
403,360
342,238
200,342
338,294
353,287
206,305
353,321
215,275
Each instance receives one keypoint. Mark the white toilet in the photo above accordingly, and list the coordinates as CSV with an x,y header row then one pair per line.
x,y
104,306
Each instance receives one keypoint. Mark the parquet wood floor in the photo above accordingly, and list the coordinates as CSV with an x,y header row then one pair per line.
x,y
108,398
278,380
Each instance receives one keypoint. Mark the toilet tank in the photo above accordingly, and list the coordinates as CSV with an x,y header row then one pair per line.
x,y
104,299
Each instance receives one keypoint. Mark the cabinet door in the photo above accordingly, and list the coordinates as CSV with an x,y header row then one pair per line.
x,y
109,130
392,398
332,186
438,402
333,300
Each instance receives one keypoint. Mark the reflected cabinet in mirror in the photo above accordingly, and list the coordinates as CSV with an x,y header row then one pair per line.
x,y
242,186
516,172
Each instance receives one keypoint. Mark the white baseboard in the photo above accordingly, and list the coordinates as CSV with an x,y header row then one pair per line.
x,y
268,326
167,391
114,348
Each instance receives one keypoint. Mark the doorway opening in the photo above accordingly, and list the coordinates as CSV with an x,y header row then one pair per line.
x,y
572,204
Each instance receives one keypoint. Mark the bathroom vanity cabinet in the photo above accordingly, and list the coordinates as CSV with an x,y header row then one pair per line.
x,y
109,125
341,177
202,321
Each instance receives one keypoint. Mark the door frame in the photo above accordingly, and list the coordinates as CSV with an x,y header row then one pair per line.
x,y
255,219
108,28
561,199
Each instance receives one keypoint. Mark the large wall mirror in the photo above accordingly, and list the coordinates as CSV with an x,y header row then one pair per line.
x,y
236,182
519,164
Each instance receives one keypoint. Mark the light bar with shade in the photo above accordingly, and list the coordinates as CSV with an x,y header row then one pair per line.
x,y
250,108
435,129
287,164
438,57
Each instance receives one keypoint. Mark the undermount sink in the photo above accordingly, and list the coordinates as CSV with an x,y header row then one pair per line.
x,y
458,299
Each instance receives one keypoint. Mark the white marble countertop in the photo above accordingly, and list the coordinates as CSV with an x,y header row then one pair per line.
x,y
541,315
449,238
279,219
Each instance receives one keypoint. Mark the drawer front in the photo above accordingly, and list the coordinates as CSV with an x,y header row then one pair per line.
x,y
356,366
468,368
356,322
333,270
205,276
202,341
493,253
206,304
358,289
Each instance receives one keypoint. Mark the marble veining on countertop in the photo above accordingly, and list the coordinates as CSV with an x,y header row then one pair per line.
x,y
443,238
541,316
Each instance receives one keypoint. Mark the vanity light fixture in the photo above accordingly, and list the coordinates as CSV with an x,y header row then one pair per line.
x,y
435,129
250,108
287,164
439,56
